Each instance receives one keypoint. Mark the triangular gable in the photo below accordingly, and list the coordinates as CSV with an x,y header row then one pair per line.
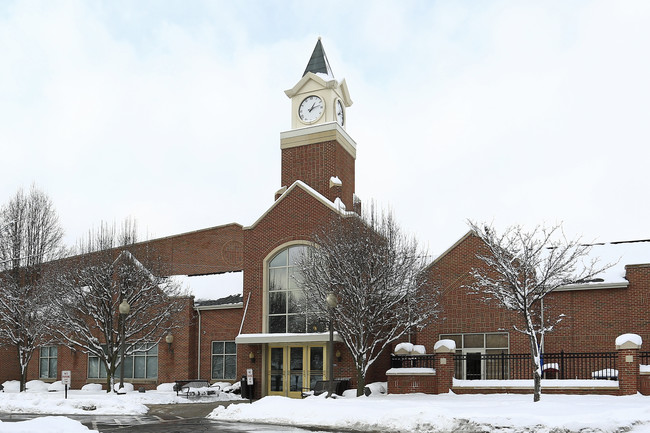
x,y
335,207
451,248
129,256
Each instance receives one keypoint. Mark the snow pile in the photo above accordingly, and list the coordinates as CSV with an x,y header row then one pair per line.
x,y
449,344
632,338
166,387
410,349
49,424
403,348
56,386
551,366
91,400
449,412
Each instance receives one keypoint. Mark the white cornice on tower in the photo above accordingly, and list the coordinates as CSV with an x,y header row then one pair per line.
x,y
317,134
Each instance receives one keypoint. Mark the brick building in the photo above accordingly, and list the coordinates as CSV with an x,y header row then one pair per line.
x,y
256,327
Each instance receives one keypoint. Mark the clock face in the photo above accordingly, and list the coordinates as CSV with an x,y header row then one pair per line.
x,y
311,108
340,115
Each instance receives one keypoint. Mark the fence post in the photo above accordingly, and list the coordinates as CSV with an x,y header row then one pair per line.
x,y
628,346
444,362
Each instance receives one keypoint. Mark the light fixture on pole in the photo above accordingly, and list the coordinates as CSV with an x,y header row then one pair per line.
x,y
124,309
331,305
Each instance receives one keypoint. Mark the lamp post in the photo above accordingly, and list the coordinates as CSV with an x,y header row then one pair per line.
x,y
124,309
331,305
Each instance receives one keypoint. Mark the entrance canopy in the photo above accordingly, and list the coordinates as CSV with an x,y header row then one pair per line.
x,y
314,337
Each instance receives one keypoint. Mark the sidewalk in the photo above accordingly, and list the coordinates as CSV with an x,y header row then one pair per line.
x,y
187,410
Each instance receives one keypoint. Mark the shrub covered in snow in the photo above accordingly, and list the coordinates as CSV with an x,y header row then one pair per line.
x,y
94,387
165,387
56,386
127,387
375,388
36,386
11,386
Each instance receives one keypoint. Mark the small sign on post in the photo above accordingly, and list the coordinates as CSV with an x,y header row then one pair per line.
x,y
249,383
66,379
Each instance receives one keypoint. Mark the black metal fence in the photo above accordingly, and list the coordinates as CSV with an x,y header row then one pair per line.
x,y
644,358
506,366
412,361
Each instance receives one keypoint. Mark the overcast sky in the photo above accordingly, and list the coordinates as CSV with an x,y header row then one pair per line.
x,y
170,112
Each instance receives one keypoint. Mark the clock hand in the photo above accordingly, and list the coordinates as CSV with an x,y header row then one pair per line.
x,y
312,107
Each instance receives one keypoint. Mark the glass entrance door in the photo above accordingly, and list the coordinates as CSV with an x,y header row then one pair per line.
x,y
293,369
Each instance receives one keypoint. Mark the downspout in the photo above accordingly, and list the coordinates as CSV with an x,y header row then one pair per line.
x,y
245,310
198,371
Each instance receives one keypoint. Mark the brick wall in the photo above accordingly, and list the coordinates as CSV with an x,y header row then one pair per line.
x,y
219,325
315,164
594,318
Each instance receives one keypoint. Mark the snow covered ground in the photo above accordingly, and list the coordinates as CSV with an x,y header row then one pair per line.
x,y
503,413
39,399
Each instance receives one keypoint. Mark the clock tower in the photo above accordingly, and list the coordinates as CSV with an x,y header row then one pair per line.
x,y
317,150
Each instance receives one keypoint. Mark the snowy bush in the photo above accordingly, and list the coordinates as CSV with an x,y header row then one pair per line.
x,y
235,388
11,386
36,386
56,386
165,387
376,388
127,387
94,387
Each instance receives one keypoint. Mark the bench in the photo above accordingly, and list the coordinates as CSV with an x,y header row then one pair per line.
x,y
322,386
195,388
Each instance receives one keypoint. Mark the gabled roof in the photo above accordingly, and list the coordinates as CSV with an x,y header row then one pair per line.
x,y
318,63
337,206
619,254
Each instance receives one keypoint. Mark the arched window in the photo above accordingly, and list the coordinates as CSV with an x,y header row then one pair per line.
x,y
286,312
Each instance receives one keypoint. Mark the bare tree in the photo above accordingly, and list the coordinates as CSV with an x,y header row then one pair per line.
x,y
377,275
111,269
522,268
30,234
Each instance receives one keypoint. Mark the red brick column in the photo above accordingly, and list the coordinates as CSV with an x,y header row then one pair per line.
x,y
444,350
628,346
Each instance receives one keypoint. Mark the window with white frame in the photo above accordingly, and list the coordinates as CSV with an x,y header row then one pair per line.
x,y
47,362
286,311
224,360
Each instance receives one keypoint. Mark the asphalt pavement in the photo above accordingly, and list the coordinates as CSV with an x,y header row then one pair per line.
x,y
168,418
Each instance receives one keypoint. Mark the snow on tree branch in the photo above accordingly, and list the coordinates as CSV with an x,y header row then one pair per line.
x,y
378,275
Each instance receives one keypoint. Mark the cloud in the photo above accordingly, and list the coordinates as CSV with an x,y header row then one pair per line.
x,y
506,111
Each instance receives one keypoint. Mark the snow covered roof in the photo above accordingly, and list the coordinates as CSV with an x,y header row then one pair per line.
x,y
227,302
620,254
212,286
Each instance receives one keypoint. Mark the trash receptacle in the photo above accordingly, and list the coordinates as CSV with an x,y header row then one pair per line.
x,y
244,388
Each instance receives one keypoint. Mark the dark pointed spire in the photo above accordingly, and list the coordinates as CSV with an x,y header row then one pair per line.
x,y
318,62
